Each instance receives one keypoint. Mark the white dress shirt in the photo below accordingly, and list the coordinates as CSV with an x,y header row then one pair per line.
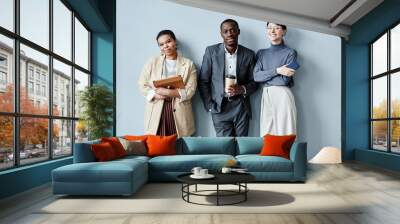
x,y
230,62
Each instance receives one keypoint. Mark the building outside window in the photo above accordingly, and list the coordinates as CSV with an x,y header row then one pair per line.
x,y
30,87
44,77
30,72
3,72
37,75
3,61
43,90
3,78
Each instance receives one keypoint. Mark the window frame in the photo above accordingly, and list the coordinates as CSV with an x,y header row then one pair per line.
x,y
15,71
388,74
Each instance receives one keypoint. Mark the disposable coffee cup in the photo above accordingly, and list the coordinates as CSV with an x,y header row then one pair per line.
x,y
230,80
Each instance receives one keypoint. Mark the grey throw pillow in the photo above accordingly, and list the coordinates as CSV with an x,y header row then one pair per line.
x,y
136,148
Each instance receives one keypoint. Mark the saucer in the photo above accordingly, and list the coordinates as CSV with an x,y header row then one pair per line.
x,y
208,176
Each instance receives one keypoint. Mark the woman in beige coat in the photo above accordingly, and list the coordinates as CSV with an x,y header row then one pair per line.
x,y
168,111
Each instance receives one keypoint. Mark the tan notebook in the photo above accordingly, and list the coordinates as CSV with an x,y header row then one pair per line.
x,y
175,82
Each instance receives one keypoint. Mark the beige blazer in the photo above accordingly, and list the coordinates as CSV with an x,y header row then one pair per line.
x,y
183,113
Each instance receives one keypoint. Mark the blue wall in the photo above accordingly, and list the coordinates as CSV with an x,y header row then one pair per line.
x,y
24,178
103,62
102,58
357,83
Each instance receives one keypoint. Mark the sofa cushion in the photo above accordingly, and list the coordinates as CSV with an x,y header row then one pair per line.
x,y
277,145
249,145
142,138
185,163
103,152
136,147
161,145
257,163
133,158
136,137
83,152
116,145
207,145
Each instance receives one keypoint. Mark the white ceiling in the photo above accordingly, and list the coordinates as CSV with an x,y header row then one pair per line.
x,y
326,16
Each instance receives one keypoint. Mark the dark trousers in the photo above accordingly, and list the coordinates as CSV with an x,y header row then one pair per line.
x,y
233,120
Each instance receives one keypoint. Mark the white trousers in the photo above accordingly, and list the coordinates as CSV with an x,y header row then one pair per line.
x,y
278,111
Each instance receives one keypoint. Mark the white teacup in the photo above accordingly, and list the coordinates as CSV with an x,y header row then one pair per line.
x,y
203,172
196,170
226,170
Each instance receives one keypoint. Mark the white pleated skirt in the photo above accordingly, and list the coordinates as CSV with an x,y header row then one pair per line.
x,y
278,111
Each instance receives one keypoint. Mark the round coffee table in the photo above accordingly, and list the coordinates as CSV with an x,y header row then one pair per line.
x,y
238,179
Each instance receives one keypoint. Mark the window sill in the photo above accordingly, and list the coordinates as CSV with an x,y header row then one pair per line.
x,y
26,167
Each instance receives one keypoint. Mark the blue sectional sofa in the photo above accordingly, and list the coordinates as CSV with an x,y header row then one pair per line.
x,y
125,176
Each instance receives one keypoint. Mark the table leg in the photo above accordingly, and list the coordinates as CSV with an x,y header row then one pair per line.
x,y
196,188
245,191
188,190
217,194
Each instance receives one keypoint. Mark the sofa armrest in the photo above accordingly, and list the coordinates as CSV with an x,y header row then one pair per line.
x,y
298,155
83,152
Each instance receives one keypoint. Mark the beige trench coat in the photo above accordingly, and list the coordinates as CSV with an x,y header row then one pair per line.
x,y
183,113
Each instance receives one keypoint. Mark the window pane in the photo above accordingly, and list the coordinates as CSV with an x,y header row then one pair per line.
x,y
33,139
395,136
6,142
379,55
7,14
81,131
81,45
395,94
395,47
34,81
6,74
62,89
379,135
379,97
62,137
35,21
62,29
81,81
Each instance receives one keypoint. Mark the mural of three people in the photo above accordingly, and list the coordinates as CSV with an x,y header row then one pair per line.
x,y
230,73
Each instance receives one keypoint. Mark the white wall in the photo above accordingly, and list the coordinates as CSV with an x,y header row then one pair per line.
x,y
317,83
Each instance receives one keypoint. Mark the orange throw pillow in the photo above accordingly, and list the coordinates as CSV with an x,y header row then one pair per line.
x,y
161,145
103,151
116,145
277,145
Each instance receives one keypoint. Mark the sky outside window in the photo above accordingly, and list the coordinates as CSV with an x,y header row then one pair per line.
x,y
62,29
81,45
379,56
395,47
35,21
7,14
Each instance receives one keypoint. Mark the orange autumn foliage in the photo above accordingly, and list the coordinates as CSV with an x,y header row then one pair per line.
x,y
34,130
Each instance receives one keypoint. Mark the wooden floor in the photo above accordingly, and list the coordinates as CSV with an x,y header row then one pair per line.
x,y
377,188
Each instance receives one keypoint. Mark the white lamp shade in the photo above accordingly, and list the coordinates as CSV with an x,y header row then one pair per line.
x,y
327,155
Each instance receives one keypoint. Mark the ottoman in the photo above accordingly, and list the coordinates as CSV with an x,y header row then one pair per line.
x,y
119,177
